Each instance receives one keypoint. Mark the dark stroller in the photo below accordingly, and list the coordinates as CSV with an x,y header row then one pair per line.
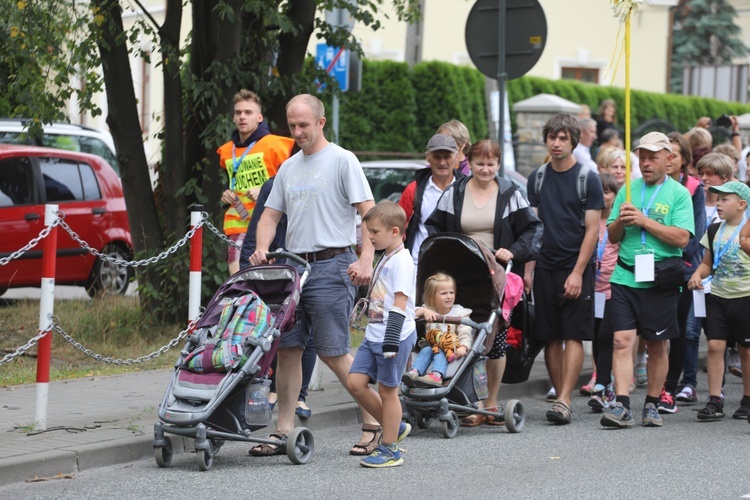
x,y
480,284
211,405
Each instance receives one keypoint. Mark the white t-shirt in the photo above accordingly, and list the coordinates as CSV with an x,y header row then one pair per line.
x,y
582,154
318,193
430,199
396,275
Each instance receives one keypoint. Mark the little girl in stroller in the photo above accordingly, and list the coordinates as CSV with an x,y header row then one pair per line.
x,y
443,342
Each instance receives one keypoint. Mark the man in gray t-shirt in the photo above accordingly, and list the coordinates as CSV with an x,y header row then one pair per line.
x,y
320,189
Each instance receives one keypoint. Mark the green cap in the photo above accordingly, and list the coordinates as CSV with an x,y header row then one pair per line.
x,y
734,187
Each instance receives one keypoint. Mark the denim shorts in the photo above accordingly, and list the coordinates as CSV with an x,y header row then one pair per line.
x,y
385,371
326,302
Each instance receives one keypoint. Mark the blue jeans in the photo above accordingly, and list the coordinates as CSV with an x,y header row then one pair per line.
x,y
692,339
425,356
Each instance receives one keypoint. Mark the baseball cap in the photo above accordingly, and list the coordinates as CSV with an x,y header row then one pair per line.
x,y
654,141
734,187
442,142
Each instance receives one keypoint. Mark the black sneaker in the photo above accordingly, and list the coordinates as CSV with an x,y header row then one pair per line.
x,y
714,410
666,402
744,410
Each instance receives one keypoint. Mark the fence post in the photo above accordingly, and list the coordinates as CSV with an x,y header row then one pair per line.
x,y
196,263
46,309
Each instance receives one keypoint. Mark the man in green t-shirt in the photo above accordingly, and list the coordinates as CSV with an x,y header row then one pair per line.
x,y
654,227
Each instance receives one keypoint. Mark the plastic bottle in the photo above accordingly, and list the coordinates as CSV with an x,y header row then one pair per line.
x,y
258,410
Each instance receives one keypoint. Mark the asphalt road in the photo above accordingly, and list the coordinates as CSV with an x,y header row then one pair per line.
x,y
684,459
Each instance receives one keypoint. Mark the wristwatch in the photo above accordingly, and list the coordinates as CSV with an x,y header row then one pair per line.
x,y
735,133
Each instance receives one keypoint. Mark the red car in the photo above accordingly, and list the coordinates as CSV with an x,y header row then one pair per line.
x,y
89,192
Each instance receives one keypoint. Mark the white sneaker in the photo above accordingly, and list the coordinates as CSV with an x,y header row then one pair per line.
x,y
551,395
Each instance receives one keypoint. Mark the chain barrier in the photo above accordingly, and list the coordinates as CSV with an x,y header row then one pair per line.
x,y
28,345
31,244
136,263
221,235
115,361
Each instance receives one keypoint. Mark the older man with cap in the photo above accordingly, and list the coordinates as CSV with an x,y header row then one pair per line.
x,y
652,231
420,197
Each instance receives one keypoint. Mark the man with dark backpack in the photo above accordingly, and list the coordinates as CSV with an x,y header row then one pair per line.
x,y
569,200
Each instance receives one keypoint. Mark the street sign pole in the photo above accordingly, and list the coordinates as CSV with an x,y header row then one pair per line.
x,y
502,77
335,118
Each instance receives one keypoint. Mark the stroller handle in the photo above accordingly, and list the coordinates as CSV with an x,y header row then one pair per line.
x,y
455,320
283,254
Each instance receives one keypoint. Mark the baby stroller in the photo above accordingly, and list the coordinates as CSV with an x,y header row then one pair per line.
x,y
480,285
217,390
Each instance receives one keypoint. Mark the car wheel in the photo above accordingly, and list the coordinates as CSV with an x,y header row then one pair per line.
x,y
108,278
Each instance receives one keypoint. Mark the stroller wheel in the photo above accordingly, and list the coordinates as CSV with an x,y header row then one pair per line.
x,y
163,454
449,427
205,457
300,445
515,417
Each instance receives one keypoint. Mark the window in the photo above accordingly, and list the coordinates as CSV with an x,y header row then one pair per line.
x,y
15,182
590,75
66,180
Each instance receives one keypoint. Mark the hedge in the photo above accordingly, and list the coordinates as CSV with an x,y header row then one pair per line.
x,y
399,108
681,111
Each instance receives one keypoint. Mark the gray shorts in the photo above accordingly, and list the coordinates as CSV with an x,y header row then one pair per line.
x,y
385,371
324,308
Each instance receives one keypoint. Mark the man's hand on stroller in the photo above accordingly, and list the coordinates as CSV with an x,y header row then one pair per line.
x,y
259,257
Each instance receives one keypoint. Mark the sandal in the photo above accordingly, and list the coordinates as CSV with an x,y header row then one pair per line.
x,y
367,447
559,413
492,420
473,420
269,450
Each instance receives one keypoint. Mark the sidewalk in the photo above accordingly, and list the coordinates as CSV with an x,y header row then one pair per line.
x,y
102,421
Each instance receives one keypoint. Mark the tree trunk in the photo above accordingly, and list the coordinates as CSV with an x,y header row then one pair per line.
x,y
292,52
126,132
173,167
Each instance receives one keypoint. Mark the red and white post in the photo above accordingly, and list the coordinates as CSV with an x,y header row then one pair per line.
x,y
46,309
196,263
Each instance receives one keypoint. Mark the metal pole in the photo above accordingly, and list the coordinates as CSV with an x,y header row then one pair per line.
x,y
335,119
502,76
196,263
46,310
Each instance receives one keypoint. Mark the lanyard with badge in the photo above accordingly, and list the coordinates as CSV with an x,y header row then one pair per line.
x,y
600,298
699,296
237,162
644,259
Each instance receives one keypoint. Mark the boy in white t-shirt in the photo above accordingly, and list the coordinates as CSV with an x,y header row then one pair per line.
x,y
390,335
728,297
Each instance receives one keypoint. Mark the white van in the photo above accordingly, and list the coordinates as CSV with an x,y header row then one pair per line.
x,y
62,136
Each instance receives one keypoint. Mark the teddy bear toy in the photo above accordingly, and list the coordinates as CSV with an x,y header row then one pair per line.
x,y
443,341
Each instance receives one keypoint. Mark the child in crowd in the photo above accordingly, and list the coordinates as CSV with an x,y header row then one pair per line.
x,y
724,276
439,298
606,259
390,335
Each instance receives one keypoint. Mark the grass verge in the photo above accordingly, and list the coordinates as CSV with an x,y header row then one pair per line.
x,y
113,326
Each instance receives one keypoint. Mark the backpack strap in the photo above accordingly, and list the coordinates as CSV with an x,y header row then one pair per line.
x,y
539,179
583,174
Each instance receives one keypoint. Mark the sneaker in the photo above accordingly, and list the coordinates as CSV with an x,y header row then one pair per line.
x,y
433,379
666,402
651,417
559,413
733,362
714,410
617,416
744,410
403,430
551,395
641,376
601,399
382,457
408,378
687,395
587,389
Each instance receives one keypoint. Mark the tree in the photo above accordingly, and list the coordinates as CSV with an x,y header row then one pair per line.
x,y
704,33
256,44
